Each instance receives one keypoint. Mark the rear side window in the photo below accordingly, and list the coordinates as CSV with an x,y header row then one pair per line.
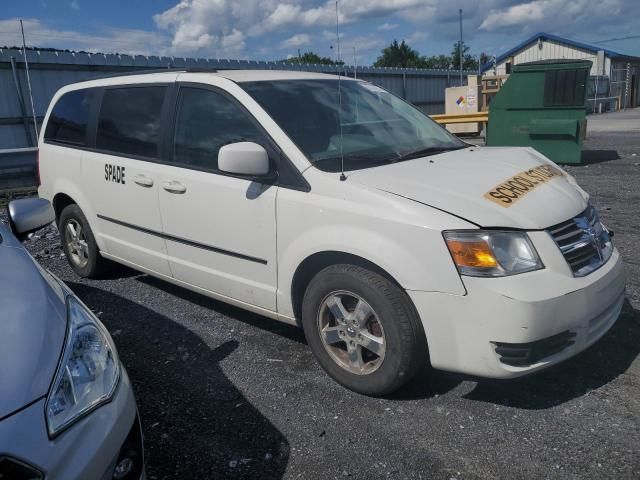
x,y
564,88
69,117
129,120
206,121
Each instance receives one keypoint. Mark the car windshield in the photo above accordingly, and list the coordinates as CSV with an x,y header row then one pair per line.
x,y
373,126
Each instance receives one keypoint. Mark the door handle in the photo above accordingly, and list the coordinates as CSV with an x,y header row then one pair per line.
x,y
174,187
143,181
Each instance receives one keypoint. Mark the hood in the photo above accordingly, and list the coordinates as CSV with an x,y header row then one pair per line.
x,y
509,187
33,325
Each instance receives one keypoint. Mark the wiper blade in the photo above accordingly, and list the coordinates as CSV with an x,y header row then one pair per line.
x,y
354,157
425,152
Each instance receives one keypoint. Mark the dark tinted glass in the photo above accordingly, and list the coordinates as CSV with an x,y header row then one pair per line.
x,y
129,120
205,122
68,119
564,88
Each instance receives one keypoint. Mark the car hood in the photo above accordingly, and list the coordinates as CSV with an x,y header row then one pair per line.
x,y
33,325
532,192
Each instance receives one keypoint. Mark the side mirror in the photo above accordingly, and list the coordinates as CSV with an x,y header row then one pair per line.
x,y
244,158
28,215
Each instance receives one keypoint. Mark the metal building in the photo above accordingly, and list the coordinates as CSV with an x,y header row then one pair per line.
x,y
615,77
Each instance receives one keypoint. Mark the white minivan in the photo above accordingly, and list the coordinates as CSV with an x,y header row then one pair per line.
x,y
330,203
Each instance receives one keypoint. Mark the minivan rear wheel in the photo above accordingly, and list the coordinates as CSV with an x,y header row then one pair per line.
x,y
79,244
363,329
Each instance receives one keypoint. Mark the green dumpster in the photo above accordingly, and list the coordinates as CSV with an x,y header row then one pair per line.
x,y
542,105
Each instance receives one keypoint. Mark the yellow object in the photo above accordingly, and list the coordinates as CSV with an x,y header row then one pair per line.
x,y
472,253
443,119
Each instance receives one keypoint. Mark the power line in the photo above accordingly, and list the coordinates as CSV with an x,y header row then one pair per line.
x,y
629,37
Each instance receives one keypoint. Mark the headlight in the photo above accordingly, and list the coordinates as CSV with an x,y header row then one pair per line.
x,y
492,253
88,373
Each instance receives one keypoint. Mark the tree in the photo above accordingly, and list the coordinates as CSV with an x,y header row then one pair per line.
x,y
313,58
437,61
402,55
469,62
399,55
484,59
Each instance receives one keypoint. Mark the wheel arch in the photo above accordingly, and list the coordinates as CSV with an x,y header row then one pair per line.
x,y
60,202
315,262
68,194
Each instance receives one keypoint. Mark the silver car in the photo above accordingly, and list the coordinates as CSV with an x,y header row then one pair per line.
x,y
67,409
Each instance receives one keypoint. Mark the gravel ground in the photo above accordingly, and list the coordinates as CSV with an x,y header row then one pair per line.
x,y
222,392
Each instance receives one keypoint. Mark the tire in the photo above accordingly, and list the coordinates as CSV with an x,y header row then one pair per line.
x,y
82,251
380,318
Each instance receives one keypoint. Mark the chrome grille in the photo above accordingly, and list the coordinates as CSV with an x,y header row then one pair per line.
x,y
584,242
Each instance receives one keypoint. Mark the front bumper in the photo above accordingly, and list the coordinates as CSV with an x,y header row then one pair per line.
x,y
87,450
502,327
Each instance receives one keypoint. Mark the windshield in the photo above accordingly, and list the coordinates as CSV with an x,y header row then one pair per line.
x,y
377,126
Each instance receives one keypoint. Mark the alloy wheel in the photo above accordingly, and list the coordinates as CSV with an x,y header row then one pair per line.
x,y
351,332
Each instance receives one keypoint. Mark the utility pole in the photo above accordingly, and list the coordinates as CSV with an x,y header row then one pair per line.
x,y
460,45
355,63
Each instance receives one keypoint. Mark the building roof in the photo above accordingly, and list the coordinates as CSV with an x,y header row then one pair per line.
x,y
555,38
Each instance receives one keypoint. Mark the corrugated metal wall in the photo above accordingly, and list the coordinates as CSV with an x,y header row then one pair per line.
x,y
51,70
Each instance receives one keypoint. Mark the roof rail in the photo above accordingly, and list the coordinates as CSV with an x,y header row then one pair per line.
x,y
143,71
140,71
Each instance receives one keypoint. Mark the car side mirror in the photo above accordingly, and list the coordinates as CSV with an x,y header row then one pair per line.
x,y
244,158
28,215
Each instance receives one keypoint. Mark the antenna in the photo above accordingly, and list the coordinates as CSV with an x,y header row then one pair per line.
x,y
26,67
342,175
460,12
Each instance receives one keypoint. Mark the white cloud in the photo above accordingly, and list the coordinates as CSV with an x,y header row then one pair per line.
x,y
233,43
387,26
202,24
74,5
364,46
295,41
514,15
417,36
331,35
559,16
109,40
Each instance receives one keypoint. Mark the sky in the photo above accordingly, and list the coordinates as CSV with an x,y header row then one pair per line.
x,y
276,29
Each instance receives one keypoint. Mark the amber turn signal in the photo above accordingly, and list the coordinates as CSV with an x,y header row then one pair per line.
x,y
471,253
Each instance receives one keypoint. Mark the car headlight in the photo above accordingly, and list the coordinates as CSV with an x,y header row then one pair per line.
x,y
88,372
492,253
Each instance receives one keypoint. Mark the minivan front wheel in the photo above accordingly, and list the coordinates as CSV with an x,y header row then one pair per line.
x,y
363,329
79,244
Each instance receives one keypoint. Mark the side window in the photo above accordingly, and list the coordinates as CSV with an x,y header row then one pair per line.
x,y
129,120
69,117
206,121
